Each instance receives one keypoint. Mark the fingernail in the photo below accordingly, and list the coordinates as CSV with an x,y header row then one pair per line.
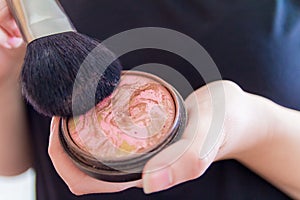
x,y
157,181
15,42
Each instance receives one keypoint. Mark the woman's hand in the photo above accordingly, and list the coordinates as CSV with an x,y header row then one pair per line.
x,y
223,122
14,144
12,48
78,182
10,36
237,117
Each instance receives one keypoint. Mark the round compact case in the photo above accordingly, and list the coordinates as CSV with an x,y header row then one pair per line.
x,y
114,140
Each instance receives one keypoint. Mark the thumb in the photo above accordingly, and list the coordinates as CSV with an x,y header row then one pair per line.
x,y
163,171
180,162
188,158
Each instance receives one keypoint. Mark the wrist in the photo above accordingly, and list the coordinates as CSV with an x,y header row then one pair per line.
x,y
248,127
260,127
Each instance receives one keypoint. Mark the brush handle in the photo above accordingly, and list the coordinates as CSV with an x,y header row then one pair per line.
x,y
39,18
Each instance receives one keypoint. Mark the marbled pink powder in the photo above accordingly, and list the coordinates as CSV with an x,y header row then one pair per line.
x,y
136,118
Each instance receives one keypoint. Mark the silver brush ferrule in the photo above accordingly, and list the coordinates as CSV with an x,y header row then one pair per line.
x,y
39,18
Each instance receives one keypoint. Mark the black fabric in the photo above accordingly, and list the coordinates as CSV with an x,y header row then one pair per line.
x,y
254,43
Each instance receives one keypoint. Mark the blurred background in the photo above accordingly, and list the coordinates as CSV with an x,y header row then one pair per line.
x,y
19,187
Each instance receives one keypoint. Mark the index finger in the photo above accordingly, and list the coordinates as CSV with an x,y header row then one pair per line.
x,y
78,182
7,21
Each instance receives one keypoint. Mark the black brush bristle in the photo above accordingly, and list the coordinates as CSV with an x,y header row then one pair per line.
x,y
51,66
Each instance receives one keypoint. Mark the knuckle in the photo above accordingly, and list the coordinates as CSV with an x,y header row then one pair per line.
x,y
232,87
229,83
196,165
229,86
76,190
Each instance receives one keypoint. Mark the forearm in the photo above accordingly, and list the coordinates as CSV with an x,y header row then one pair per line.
x,y
14,144
276,154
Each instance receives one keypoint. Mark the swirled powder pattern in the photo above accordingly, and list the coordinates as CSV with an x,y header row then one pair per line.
x,y
136,118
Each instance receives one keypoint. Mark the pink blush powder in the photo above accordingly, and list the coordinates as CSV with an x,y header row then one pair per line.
x,y
135,119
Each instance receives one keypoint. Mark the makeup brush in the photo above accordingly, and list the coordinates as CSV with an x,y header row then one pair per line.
x,y
54,55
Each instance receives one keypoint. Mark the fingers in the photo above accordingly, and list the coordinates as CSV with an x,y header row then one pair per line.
x,y
10,36
8,41
184,160
11,27
78,182
4,39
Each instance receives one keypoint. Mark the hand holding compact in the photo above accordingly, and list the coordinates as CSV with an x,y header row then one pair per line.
x,y
188,158
206,139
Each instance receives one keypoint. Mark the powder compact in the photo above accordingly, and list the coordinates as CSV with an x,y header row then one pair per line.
x,y
114,140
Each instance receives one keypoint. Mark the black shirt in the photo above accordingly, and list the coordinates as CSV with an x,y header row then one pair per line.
x,y
254,43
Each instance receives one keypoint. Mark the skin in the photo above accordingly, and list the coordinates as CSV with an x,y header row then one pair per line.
x,y
10,36
255,132
14,145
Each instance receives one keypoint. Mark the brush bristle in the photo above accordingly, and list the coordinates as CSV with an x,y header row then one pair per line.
x,y
50,69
